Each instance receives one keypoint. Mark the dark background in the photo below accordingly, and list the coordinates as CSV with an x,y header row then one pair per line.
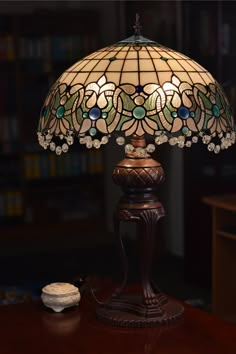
x,y
56,222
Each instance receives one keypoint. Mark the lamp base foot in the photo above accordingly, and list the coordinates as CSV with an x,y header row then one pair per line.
x,y
130,311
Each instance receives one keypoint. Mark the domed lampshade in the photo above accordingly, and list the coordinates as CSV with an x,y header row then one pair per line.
x,y
136,87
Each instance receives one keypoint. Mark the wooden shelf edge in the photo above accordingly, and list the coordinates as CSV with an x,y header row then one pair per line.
x,y
226,234
225,201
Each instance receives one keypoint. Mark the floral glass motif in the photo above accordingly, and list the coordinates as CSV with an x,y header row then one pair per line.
x,y
136,87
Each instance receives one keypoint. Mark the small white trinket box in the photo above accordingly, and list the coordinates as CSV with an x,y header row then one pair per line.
x,y
59,296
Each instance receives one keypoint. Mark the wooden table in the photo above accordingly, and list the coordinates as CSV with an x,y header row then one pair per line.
x,y
30,328
223,255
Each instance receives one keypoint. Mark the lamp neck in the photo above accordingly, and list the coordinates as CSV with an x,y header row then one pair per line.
x,y
138,141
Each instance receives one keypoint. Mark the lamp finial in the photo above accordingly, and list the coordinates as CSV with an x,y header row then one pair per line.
x,y
137,27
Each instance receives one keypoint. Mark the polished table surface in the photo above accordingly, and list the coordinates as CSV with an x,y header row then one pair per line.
x,y
30,328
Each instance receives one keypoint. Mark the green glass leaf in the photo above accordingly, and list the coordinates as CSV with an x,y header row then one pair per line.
x,y
150,102
69,118
155,118
167,115
79,115
218,100
56,100
109,105
111,116
122,120
169,106
207,117
39,126
229,111
47,114
207,103
128,103
69,104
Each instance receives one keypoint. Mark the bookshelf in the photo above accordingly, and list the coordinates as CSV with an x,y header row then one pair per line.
x,y
223,208
209,32
40,192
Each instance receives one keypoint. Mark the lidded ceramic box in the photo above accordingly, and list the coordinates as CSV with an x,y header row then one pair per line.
x,y
59,296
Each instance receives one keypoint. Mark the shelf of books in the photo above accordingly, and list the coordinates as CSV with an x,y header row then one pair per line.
x,y
38,187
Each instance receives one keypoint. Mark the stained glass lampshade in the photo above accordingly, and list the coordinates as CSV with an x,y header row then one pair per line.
x,y
133,89
136,86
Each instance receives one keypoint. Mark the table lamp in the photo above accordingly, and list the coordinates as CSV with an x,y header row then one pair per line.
x,y
130,91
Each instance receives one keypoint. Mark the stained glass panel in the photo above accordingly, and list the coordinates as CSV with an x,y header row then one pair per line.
x,y
165,54
161,65
147,77
197,66
174,65
164,76
205,78
143,54
176,55
132,78
195,77
121,55
132,55
110,54
102,65
130,65
146,65
154,54
115,66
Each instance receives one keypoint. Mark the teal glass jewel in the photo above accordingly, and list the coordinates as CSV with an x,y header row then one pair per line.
x,y
216,110
185,130
104,115
139,112
93,131
60,112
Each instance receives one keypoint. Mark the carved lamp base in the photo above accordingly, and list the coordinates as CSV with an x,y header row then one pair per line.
x,y
130,311
139,177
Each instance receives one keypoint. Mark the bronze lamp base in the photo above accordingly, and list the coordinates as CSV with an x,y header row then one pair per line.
x,y
139,177
130,311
